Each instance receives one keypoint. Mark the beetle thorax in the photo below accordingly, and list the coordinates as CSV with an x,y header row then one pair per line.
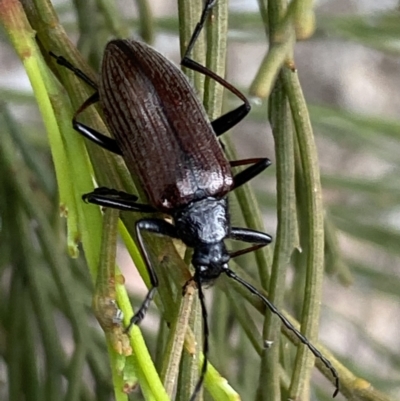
x,y
203,222
203,225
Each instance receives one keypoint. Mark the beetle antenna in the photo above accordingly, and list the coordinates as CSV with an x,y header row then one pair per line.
x,y
289,325
205,340
79,73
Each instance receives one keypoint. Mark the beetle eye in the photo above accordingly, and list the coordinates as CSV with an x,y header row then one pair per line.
x,y
202,268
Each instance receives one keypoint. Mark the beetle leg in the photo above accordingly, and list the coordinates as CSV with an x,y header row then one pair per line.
x,y
230,119
102,140
258,238
79,73
233,117
156,226
117,200
209,4
257,166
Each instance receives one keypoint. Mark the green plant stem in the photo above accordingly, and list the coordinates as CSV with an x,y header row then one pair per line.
x,y
286,238
189,14
113,20
76,369
219,321
14,337
314,220
218,387
145,370
86,26
281,129
303,18
31,378
334,261
146,21
190,363
282,40
247,323
174,346
22,37
106,309
217,32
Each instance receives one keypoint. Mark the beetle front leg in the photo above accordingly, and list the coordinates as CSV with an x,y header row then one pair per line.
x,y
156,226
258,238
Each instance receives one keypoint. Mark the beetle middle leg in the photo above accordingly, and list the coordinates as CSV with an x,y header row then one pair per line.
x,y
107,197
257,165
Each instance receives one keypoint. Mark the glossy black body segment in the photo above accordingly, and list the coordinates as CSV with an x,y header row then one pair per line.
x,y
162,131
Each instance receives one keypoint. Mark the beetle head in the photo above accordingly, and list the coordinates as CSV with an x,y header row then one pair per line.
x,y
210,260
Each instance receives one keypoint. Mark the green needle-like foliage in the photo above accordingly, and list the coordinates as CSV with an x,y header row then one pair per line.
x,y
333,193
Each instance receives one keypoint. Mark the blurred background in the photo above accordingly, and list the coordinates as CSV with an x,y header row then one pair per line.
x,y
350,73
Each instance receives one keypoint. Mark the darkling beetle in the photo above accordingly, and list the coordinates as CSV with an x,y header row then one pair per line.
x,y
162,131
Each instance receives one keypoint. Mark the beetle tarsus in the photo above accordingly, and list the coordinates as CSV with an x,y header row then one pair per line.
x,y
141,312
